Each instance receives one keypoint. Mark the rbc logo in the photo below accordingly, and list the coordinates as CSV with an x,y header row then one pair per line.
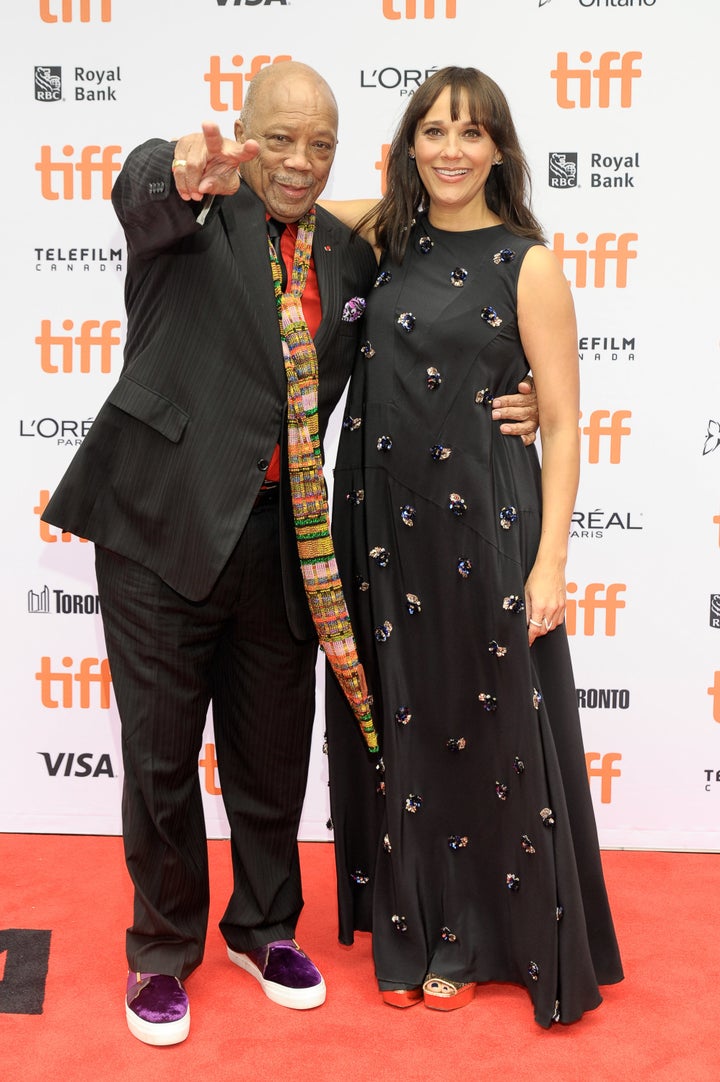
x,y
715,610
48,84
562,169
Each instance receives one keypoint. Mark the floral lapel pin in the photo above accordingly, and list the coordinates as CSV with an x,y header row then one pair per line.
x,y
353,309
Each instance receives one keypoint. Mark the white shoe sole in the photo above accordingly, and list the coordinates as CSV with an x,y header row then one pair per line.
x,y
158,1034
298,999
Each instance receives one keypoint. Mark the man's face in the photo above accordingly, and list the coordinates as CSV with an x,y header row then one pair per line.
x,y
295,123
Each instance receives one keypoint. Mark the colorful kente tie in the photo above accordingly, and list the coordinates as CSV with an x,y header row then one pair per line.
x,y
307,486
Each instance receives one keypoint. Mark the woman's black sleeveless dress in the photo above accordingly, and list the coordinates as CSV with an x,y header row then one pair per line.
x,y
469,846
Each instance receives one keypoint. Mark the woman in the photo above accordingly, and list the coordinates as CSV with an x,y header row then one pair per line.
x,y
470,849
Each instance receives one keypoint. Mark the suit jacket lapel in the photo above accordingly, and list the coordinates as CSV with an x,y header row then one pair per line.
x,y
243,219
327,257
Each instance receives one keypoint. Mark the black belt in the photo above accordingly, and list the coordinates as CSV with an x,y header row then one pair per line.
x,y
268,495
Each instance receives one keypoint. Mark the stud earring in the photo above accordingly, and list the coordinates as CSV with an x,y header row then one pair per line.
x,y
411,154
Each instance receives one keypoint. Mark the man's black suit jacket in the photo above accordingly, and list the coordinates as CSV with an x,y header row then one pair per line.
x,y
169,471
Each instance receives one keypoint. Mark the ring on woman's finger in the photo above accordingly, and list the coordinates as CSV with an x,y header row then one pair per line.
x,y
177,162
548,626
535,623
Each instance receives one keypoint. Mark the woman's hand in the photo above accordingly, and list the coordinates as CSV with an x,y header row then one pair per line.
x,y
544,601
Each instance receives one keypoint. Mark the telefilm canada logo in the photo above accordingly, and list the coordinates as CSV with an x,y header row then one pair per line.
x,y
606,347
48,83
563,169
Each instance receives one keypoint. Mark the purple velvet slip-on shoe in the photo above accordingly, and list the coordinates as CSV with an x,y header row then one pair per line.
x,y
285,974
157,1008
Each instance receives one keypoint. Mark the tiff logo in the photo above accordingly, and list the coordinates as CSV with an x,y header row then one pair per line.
x,y
600,255
75,353
94,161
605,770
613,70
411,7
47,534
72,9
91,672
609,428
598,598
714,693
217,79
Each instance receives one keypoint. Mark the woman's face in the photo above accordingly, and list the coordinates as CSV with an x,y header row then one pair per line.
x,y
454,159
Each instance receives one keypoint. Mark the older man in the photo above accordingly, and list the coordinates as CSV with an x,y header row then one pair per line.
x,y
183,486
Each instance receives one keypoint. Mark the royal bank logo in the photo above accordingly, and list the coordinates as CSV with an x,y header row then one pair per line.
x,y
563,169
48,84
715,610
91,84
606,170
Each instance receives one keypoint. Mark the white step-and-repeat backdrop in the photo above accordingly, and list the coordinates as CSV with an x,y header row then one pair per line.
x,y
616,104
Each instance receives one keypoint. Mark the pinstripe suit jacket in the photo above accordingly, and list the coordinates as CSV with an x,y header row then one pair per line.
x,y
171,466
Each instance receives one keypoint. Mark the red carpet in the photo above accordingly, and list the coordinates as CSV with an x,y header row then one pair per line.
x,y
662,1023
